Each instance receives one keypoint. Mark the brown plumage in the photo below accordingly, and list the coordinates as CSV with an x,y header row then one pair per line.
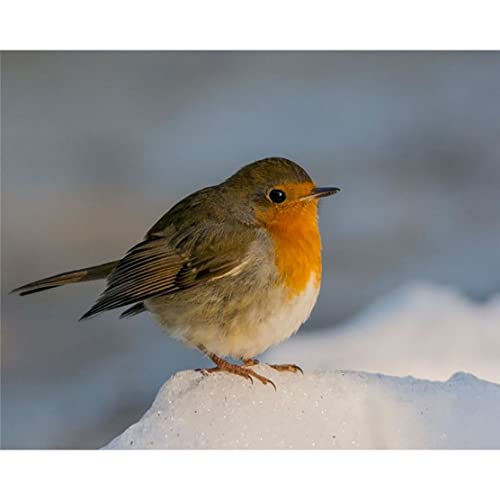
x,y
231,269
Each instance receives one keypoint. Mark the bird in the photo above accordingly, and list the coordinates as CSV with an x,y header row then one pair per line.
x,y
231,269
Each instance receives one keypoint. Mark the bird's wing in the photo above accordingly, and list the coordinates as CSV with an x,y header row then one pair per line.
x,y
162,265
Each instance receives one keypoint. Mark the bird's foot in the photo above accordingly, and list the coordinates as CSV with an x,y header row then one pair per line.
x,y
288,368
280,368
241,370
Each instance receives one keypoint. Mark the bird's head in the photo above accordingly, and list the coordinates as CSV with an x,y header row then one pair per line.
x,y
275,191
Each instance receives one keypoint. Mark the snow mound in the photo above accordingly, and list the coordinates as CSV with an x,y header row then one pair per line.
x,y
425,330
338,409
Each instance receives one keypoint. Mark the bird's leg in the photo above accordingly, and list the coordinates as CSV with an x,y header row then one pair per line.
x,y
250,362
224,366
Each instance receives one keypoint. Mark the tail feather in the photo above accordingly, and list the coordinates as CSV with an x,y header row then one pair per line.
x,y
77,276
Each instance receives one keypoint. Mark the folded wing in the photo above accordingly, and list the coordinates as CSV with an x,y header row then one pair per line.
x,y
159,266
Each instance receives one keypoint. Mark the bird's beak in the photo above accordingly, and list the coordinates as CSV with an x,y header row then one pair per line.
x,y
321,192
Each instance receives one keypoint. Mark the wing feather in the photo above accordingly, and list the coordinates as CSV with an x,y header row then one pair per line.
x,y
158,266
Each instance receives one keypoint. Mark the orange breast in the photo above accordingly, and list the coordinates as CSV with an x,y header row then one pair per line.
x,y
297,244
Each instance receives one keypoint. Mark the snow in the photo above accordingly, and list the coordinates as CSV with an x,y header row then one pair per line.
x,y
319,410
427,331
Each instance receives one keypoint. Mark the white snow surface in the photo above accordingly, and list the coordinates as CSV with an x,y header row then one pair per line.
x,y
426,331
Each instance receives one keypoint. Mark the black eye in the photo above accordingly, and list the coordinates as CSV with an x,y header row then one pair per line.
x,y
277,196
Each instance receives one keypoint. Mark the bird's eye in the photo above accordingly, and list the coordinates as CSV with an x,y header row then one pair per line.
x,y
277,196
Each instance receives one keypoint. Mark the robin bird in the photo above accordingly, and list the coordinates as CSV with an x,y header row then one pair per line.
x,y
231,270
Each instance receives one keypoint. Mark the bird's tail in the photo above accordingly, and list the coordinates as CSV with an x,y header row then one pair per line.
x,y
87,274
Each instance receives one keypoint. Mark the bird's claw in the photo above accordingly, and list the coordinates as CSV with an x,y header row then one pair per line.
x,y
288,368
242,371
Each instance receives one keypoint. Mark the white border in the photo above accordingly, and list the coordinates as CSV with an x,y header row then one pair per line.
x,y
249,474
256,25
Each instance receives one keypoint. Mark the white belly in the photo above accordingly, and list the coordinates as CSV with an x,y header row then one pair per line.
x,y
269,320
268,327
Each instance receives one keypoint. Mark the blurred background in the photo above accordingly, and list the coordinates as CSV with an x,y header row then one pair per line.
x,y
97,146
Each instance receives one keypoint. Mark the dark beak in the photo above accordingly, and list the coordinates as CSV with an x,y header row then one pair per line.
x,y
321,192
